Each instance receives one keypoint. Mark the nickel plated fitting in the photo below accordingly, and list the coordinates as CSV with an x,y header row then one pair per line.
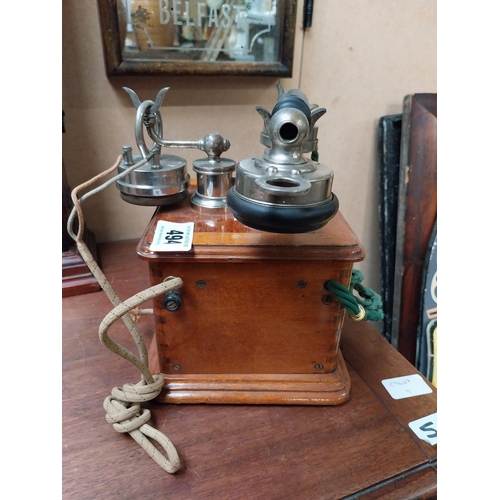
x,y
163,180
283,191
309,145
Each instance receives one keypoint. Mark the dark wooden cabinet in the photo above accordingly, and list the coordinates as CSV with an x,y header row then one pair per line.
x,y
407,147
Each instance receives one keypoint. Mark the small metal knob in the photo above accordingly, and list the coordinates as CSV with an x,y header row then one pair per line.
x,y
172,301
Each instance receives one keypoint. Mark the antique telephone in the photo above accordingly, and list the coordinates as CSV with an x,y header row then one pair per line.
x,y
255,310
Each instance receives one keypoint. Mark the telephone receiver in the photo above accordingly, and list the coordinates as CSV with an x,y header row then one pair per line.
x,y
281,191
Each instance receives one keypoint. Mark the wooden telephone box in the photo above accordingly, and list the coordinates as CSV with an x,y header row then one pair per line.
x,y
255,323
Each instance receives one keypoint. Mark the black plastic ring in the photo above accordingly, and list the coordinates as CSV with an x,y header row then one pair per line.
x,y
281,218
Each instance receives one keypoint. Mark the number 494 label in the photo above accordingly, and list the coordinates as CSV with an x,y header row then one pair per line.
x,y
172,237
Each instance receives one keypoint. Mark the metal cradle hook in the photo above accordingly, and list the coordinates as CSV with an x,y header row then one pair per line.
x,y
148,114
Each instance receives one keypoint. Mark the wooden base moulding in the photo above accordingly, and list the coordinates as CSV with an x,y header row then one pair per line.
x,y
284,389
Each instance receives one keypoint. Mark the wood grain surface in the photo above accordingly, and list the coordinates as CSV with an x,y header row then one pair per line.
x,y
417,214
215,233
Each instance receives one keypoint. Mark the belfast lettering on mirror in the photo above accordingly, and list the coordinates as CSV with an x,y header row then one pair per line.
x,y
205,31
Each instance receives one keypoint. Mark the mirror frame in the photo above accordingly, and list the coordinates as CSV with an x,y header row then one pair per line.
x,y
117,65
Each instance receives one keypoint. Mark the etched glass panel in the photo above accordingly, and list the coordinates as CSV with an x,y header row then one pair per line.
x,y
213,30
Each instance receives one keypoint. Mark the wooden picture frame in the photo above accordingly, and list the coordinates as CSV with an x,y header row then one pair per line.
x,y
189,37
416,217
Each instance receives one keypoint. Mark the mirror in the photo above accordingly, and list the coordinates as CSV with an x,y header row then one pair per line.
x,y
187,37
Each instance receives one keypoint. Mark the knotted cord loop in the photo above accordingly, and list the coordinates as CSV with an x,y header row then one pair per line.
x,y
132,419
125,418
138,393
369,309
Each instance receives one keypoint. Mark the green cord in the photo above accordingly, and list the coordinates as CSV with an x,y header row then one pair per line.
x,y
369,309
372,303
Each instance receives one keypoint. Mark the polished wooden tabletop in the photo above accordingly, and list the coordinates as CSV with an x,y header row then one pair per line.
x,y
362,449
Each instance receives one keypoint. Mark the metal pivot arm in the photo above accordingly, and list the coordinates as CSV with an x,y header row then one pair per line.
x,y
148,114
212,144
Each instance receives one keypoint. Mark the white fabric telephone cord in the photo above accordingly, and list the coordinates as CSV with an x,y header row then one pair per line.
x,y
122,407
